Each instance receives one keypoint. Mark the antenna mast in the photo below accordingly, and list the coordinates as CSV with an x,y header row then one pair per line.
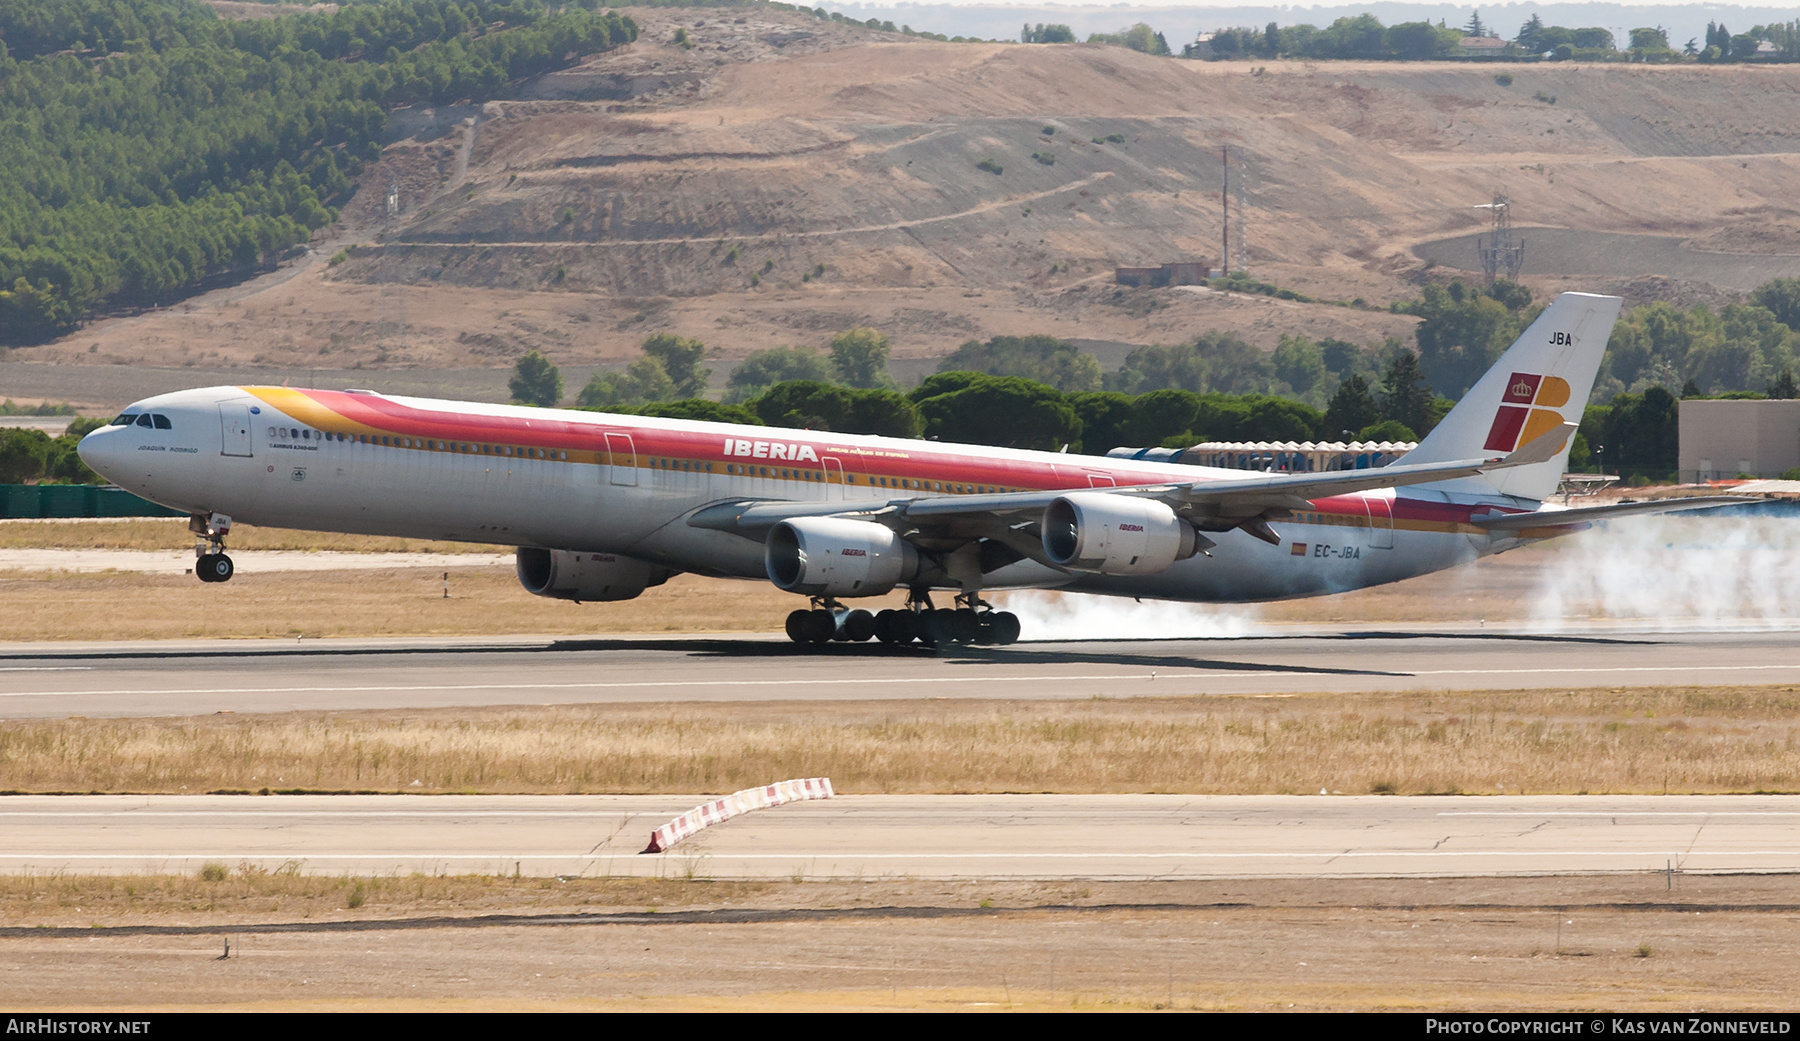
x,y
1499,251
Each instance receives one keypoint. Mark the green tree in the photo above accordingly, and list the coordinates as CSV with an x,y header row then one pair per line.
x,y
1299,363
1387,430
680,358
1351,409
700,409
1047,34
1641,433
1213,361
810,404
1005,411
643,381
1463,333
859,357
22,454
1105,416
1781,297
1139,37
1405,397
535,381
1043,358
764,369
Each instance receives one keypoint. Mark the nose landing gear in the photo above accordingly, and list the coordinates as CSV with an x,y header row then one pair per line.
x,y
210,562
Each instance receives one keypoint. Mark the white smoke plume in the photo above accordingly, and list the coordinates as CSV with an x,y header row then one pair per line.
x,y
1692,573
1084,616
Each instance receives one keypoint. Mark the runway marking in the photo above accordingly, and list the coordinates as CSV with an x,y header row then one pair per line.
x,y
1622,813
46,668
703,855
340,814
1166,677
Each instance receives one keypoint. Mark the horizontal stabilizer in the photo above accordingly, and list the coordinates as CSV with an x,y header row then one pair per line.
x,y
1582,515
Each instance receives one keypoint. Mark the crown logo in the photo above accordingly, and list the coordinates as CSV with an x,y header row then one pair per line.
x,y
1522,389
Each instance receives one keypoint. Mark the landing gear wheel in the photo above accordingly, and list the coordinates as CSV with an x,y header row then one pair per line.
x,y
1002,627
859,625
796,625
820,626
214,567
965,625
885,630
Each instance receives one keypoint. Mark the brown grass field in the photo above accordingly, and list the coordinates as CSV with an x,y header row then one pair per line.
x,y
417,943
1643,740
160,533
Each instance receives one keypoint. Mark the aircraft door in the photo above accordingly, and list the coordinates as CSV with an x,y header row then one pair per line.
x,y
1099,480
834,479
1381,522
234,428
622,455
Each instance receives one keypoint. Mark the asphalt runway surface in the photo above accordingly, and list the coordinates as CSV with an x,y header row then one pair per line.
x,y
203,677
869,837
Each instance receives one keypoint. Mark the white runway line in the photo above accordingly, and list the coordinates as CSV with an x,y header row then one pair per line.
x,y
1165,675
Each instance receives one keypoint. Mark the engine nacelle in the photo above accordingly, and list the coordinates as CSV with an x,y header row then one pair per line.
x,y
829,556
567,575
1116,534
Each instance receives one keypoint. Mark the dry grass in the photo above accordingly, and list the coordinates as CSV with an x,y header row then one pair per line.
x,y
1645,740
159,533
245,892
484,601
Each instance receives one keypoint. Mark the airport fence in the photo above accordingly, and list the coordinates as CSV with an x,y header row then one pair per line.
x,y
28,501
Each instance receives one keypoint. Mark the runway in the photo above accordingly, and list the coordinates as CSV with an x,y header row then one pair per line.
x,y
203,677
869,837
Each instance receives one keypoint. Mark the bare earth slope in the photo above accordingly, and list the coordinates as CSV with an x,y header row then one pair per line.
x,y
786,178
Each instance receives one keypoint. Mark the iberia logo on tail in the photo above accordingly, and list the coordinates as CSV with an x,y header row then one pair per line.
x,y
1528,408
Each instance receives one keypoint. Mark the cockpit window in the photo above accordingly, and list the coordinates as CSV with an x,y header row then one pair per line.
x,y
125,420
145,420
162,421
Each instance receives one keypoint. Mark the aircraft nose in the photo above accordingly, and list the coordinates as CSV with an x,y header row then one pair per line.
x,y
100,451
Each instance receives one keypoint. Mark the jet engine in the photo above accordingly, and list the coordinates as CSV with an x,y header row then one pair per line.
x,y
1117,534
829,556
580,577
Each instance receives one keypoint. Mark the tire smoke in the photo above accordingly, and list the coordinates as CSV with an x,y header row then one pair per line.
x,y
1085,616
1694,573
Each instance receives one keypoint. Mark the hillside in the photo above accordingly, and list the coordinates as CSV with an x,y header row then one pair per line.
x,y
786,178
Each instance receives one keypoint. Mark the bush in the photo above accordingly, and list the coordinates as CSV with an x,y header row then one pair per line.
x,y
990,166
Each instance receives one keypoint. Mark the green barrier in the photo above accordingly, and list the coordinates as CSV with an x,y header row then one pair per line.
x,y
29,501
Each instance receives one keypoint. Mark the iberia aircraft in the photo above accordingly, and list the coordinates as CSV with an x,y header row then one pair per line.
x,y
602,507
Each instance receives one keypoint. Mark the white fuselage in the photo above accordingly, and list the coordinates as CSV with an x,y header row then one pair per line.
x,y
589,482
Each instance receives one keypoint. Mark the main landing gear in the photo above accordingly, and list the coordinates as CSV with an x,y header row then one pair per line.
x,y
210,562
971,621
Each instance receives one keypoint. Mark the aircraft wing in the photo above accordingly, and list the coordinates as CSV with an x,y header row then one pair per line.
x,y
1584,514
1211,505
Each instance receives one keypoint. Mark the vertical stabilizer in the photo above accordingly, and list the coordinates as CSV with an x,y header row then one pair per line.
x,y
1542,381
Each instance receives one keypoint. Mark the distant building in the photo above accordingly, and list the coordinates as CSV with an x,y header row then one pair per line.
x,y
1721,439
1202,47
1179,273
1279,456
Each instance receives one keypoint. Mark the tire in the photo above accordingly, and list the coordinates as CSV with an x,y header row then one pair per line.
x,y
884,627
796,625
965,625
821,626
859,626
1004,627
222,568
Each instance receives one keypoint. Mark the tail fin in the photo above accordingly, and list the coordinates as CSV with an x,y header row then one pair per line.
x,y
1542,381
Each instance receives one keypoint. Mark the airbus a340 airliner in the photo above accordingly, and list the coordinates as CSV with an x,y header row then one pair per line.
x,y
602,507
